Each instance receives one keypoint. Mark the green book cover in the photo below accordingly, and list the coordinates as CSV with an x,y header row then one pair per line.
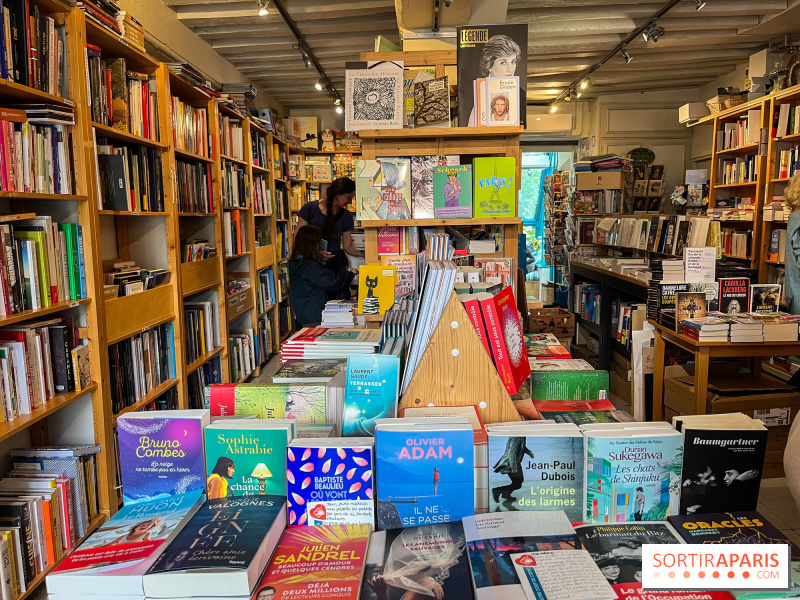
x,y
240,459
569,385
495,189
72,258
303,403
587,417
38,238
452,191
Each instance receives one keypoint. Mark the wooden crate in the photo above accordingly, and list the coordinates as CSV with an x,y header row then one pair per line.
x,y
238,304
199,275
265,256
129,315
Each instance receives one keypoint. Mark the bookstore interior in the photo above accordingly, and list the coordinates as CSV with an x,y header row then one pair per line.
x,y
365,254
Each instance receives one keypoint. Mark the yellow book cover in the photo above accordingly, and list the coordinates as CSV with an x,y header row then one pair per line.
x,y
715,238
376,284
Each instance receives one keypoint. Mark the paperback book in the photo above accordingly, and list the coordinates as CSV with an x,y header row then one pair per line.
x,y
161,453
383,189
494,192
734,295
371,392
689,305
502,101
308,371
422,194
452,191
330,481
432,103
376,288
586,417
316,563
227,399
569,385
551,575
765,298
425,473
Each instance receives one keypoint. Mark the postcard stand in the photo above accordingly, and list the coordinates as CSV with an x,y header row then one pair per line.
x,y
455,370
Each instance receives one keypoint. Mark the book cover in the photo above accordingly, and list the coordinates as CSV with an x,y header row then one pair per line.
x,y
432,103
734,295
389,240
736,527
711,291
765,298
682,237
721,469
376,288
227,399
569,385
308,371
689,305
505,338
641,470
374,95
429,561
383,189
424,477
562,364
162,455
371,392
406,270
541,339
489,51
495,190
452,191
247,460
422,186
502,101
551,575
493,537
538,472
225,547
332,484
322,562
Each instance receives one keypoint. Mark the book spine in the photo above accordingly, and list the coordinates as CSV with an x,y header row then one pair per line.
x,y
81,263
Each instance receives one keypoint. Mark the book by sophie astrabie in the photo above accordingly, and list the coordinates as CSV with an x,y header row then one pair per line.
x,y
247,457
493,537
370,393
632,475
424,473
323,562
117,555
452,191
221,551
428,561
161,453
537,470
331,481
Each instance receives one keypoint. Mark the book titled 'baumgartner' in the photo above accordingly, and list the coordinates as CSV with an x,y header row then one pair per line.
x,y
425,473
221,551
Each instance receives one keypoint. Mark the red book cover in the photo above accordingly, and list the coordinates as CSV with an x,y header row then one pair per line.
x,y
547,352
389,240
473,307
505,337
223,399
316,562
236,220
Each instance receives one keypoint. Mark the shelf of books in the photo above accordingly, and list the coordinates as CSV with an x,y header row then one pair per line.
x,y
191,118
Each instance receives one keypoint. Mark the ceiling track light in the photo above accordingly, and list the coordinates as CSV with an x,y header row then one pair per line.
x,y
337,101
302,48
339,110
320,85
584,84
568,96
553,107
263,7
699,4
625,56
653,33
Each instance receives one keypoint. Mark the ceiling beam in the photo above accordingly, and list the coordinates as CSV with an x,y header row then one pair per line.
x,y
334,26
315,42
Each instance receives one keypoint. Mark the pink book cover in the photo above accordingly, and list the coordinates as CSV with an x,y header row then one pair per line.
x,y
389,240
323,562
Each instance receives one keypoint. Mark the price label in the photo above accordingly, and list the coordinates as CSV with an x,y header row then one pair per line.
x,y
145,330
74,304
232,301
240,308
134,213
242,296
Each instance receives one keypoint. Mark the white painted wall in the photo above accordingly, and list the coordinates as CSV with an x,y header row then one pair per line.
x,y
328,118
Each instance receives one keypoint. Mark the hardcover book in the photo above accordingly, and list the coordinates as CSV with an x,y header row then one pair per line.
x,y
371,392
330,482
562,364
422,186
643,468
228,399
569,385
383,189
452,191
734,295
308,371
495,190
587,417
689,305
428,561
505,339
374,95
737,527
493,537
424,474
541,471
765,298
225,547
246,457
406,269
432,103
118,554
161,453
318,562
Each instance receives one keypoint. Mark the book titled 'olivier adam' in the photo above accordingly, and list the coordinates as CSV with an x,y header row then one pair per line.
x,y
425,473
632,475
330,481
225,548
161,453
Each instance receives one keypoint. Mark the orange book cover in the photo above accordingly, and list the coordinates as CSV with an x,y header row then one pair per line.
x,y
322,562
236,219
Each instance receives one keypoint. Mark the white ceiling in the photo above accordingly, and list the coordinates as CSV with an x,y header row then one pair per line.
x,y
565,38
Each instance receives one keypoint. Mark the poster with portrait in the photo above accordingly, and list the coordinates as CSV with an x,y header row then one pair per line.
x,y
374,95
490,51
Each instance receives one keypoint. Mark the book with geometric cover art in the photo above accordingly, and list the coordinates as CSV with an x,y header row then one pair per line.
x,y
383,189
428,561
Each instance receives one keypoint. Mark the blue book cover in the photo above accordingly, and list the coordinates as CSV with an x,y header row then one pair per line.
x,y
331,484
632,476
161,456
537,472
81,263
370,392
425,474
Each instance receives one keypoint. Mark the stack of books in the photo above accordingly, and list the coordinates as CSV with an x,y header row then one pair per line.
x,y
606,162
777,327
667,271
745,329
243,94
706,329
311,343
339,313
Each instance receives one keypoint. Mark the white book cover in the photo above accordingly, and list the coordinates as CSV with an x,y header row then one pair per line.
x,y
502,101
374,96
551,575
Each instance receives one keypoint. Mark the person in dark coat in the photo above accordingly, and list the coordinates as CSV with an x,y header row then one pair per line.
x,y
309,279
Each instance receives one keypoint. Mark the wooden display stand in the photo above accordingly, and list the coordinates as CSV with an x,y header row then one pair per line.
x,y
455,370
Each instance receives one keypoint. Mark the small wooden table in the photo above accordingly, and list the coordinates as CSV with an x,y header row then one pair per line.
x,y
703,353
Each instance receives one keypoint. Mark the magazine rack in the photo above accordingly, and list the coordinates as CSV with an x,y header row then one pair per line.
x,y
455,370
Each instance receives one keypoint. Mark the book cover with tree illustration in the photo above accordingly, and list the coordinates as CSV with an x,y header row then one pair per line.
x,y
432,103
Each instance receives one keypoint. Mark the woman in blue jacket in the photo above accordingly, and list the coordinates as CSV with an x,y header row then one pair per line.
x,y
309,279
